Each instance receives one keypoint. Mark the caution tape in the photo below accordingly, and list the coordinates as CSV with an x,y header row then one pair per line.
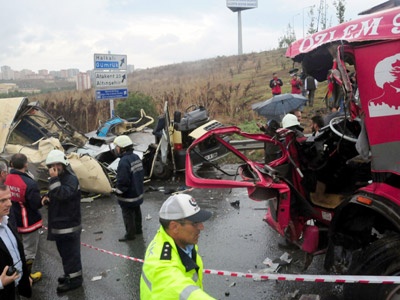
x,y
312,278
283,277
280,277
113,253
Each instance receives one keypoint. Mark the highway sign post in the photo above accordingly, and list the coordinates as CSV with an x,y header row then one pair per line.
x,y
111,78
111,94
110,61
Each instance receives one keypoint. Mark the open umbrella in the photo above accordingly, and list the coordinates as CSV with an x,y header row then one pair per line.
x,y
279,105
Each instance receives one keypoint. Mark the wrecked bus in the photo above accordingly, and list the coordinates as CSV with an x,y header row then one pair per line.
x,y
336,194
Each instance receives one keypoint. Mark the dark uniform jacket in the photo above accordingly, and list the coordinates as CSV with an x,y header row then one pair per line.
x,y
130,177
26,201
24,287
64,215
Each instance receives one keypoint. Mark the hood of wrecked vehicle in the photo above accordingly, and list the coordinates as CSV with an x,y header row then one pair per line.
x,y
9,110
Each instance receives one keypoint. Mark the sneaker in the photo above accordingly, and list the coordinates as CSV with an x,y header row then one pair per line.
x,y
36,276
70,284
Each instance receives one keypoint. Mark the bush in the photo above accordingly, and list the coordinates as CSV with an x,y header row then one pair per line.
x,y
131,107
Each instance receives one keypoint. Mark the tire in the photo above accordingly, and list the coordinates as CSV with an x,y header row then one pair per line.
x,y
161,171
380,258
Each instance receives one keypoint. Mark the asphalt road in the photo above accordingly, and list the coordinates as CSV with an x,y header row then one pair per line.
x,y
235,239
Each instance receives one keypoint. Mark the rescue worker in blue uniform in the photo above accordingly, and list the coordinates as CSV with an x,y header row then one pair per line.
x,y
129,187
64,218
173,268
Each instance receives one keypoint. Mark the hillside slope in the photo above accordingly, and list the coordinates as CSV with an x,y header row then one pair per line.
x,y
226,86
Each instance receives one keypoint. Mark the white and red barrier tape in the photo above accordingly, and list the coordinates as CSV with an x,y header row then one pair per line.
x,y
281,277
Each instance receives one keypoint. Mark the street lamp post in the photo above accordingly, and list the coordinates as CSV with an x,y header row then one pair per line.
x,y
303,16
293,23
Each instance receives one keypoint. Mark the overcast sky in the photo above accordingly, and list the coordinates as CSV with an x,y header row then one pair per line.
x,y
54,35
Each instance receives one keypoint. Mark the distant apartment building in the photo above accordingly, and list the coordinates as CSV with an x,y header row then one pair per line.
x,y
7,73
131,68
71,73
83,82
43,72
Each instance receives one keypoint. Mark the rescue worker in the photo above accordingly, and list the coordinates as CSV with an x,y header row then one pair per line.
x,y
129,187
290,121
26,202
64,218
172,264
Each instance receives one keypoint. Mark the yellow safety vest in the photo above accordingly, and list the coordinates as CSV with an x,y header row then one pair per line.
x,y
164,275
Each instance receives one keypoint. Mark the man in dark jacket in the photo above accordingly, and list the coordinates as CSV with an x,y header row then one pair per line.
x,y
26,202
64,201
129,187
11,254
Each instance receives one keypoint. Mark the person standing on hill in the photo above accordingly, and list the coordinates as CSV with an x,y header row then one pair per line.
x,y
310,85
296,84
275,84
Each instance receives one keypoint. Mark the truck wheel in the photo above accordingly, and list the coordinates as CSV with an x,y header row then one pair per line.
x,y
380,258
161,171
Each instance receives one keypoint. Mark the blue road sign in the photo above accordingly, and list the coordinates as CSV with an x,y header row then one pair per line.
x,y
111,94
110,61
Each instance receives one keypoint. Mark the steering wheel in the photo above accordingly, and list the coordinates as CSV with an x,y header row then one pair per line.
x,y
191,108
336,121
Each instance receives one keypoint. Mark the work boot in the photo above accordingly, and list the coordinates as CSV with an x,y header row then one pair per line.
x,y
126,238
62,279
34,276
70,284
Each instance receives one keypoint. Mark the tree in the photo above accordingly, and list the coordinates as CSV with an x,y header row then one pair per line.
x,y
311,16
322,19
287,38
131,107
340,6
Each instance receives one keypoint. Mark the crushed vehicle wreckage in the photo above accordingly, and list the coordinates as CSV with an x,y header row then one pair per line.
x,y
29,129
338,193
162,149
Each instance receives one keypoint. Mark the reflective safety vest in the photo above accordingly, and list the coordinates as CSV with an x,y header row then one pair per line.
x,y
169,273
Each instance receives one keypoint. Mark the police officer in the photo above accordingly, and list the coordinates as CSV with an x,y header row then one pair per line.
x,y
64,218
129,187
172,264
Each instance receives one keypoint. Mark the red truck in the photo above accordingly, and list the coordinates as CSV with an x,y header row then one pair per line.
x,y
338,193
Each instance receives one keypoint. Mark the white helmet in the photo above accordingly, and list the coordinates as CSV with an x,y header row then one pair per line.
x,y
123,141
55,157
289,120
